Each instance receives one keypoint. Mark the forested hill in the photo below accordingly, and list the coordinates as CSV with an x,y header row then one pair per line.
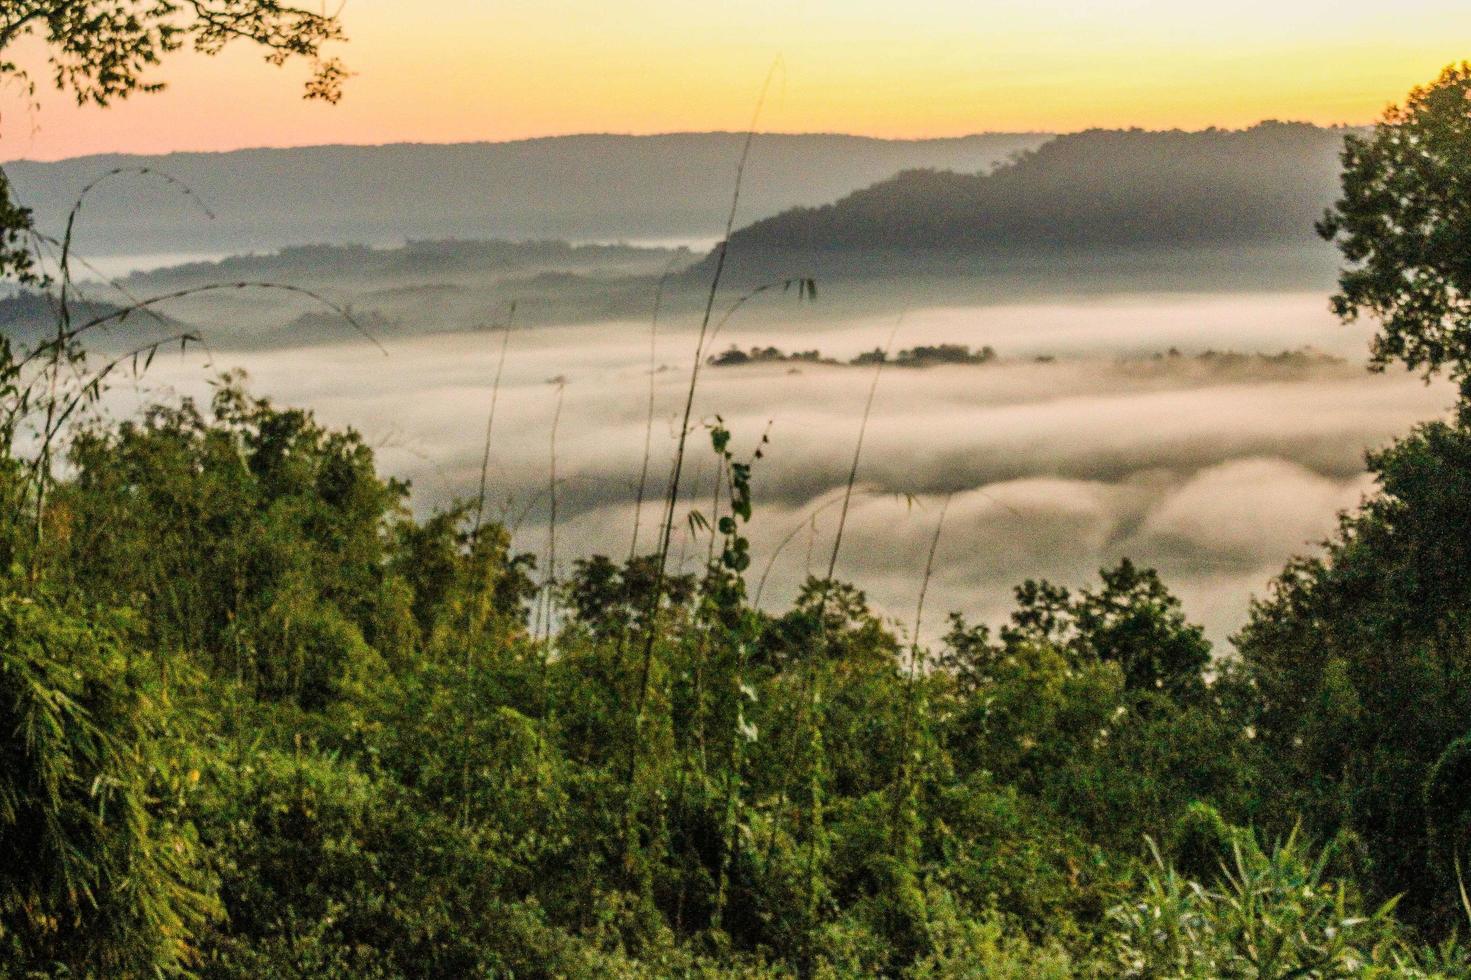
x,y
1093,190
591,187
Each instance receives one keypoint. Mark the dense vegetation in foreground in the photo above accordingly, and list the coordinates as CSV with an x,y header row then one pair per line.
x,y
261,722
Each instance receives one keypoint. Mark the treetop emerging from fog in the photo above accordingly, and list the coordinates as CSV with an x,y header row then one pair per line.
x,y
1404,225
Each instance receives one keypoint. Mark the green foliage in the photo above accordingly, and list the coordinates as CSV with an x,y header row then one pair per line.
x,y
327,872
1098,704
1276,913
1448,809
1199,842
15,226
996,848
1403,227
613,601
983,948
101,872
253,539
1133,621
838,613
387,776
1346,643
263,720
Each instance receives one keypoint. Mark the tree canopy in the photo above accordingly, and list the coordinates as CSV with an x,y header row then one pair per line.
x,y
1403,225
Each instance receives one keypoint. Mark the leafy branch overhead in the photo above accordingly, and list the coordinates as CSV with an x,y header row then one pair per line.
x,y
99,51
103,50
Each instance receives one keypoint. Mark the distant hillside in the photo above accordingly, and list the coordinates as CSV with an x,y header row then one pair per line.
x,y
419,287
581,188
1095,191
28,318
393,270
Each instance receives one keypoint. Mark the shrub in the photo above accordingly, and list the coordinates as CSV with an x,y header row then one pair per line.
x,y
99,876
1272,913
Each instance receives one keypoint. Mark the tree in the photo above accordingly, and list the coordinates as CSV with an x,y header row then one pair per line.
x,y
1404,225
252,537
103,50
1132,621
1361,659
1447,809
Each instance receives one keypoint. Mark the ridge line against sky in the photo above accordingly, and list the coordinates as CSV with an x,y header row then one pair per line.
x,y
450,71
519,140
734,134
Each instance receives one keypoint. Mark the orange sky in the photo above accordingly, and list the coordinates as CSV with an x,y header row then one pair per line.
x,y
450,70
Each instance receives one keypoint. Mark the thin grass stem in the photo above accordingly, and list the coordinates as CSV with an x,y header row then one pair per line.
x,y
495,390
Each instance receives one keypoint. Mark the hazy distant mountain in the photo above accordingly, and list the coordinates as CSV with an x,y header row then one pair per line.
x,y
1094,191
28,318
581,188
1098,211
421,287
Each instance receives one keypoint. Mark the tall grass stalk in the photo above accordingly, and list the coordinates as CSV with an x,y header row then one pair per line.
x,y
551,573
714,517
495,390
148,303
924,587
904,785
41,242
643,473
471,630
61,345
806,286
873,387
812,693
59,350
671,502
791,535
702,651
541,626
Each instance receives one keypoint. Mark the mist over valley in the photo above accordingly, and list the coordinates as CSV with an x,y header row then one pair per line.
x,y
1168,383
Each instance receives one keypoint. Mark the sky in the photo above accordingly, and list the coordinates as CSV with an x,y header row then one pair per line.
x,y
459,70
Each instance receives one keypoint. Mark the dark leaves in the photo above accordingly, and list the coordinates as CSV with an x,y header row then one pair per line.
x,y
1404,226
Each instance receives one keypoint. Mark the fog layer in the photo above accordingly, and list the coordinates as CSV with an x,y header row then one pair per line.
x,y
1213,469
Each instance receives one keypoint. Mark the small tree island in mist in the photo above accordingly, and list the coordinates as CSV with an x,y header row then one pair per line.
x,y
266,710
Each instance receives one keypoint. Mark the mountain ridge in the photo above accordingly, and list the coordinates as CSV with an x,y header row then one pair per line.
x,y
588,187
1096,190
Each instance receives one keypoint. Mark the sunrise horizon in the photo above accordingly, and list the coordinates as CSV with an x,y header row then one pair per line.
x,y
965,69
656,134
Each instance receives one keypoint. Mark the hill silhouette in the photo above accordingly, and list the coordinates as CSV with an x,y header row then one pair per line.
x,y
28,318
580,188
1094,190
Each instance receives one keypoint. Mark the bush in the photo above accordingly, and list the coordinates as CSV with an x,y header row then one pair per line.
x,y
99,873
1272,913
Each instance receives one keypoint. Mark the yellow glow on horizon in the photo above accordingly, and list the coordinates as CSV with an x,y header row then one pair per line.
x,y
450,70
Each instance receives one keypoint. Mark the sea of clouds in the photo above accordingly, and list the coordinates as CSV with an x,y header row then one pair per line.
x,y
1213,471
